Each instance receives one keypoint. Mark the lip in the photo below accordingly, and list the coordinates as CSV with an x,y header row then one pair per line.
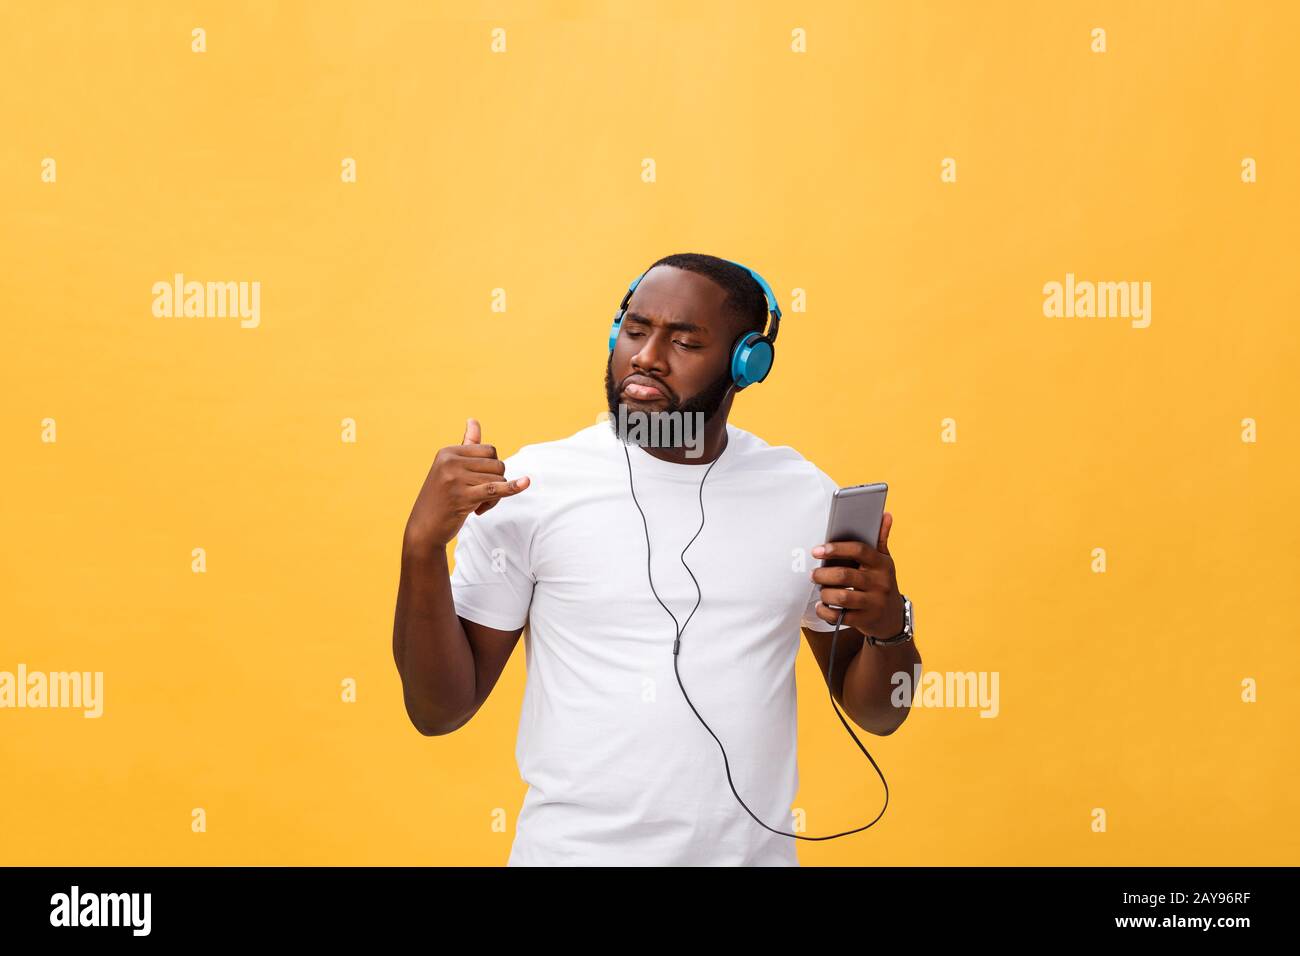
x,y
643,382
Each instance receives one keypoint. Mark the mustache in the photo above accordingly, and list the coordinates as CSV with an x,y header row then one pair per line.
x,y
706,401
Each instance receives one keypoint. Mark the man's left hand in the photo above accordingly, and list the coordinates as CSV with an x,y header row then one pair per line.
x,y
868,591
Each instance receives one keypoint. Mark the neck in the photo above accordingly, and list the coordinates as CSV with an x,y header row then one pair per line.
x,y
715,440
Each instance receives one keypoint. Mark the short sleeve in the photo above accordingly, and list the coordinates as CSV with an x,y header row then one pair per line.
x,y
492,580
810,620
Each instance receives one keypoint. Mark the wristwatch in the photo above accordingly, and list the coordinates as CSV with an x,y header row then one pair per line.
x,y
904,635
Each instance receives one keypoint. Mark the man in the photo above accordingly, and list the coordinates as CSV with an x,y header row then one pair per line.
x,y
620,769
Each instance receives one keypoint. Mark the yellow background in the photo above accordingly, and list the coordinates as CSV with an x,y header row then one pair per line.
x,y
522,171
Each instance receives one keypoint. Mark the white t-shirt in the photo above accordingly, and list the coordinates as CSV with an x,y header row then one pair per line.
x,y
619,769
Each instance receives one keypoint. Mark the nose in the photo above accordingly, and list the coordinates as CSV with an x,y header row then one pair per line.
x,y
648,358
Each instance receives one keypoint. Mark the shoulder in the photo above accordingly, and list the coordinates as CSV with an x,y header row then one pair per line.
x,y
783,461
569,451
554,468
560,468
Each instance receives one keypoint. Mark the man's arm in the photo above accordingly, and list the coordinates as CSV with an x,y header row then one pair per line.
x,y
862,682
867,589
448,665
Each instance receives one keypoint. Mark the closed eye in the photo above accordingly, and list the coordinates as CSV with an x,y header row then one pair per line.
x,y
634,334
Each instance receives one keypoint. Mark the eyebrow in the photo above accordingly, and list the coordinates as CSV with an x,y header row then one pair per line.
x,y
675,326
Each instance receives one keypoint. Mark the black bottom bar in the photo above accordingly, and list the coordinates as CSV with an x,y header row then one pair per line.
x,y
440,904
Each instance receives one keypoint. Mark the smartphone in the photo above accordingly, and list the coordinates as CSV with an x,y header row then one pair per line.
x,y
856,513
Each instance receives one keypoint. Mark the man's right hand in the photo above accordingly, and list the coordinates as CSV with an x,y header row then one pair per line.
x,y
464,478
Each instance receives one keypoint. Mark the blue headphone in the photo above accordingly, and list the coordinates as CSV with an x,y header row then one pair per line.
x,y
751,356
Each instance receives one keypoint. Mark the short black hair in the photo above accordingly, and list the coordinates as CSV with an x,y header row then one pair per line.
x,y
745,300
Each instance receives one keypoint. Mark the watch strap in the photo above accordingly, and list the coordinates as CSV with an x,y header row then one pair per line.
x,y
902,636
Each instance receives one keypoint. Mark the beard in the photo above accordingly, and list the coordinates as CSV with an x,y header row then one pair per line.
x,y
706,402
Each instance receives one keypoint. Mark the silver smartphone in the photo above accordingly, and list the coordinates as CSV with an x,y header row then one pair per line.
x,y
856,513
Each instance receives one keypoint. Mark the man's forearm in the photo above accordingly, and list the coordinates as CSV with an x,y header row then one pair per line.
x,y
433,654
869,686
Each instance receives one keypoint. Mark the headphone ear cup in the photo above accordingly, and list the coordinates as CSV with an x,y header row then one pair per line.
x,y
613,331
768,352
751,360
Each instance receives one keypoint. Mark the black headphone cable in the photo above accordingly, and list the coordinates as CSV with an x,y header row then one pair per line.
x,y
677,645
